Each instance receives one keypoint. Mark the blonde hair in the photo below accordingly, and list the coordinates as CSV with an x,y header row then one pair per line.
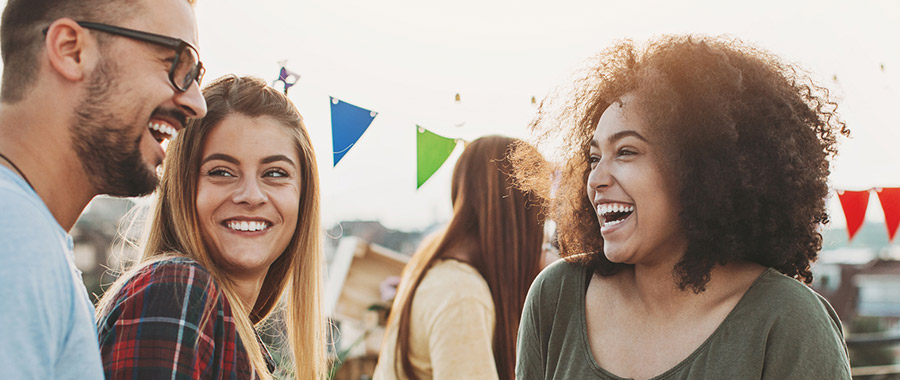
x,y
175,230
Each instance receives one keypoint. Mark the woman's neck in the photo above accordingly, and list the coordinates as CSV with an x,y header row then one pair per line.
x,y
656,289
248,290
465,250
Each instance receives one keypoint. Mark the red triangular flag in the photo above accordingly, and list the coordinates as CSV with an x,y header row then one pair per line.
x,y
854,204
890,202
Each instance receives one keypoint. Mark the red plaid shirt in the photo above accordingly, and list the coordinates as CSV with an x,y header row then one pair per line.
x,y
156,327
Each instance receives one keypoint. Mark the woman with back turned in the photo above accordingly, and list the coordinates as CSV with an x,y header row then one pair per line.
x,y
458,306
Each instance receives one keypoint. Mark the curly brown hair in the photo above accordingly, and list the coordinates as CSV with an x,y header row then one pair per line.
x,y
747,138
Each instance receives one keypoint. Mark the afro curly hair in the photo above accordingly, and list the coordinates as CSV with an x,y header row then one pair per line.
x,y
746,137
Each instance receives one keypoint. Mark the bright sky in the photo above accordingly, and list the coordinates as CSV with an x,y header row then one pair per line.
x,y
407,59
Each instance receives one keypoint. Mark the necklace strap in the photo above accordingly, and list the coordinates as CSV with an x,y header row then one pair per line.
x,y
19,171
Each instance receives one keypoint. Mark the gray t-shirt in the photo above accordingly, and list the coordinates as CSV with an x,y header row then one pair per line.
x,y
780,329
46,319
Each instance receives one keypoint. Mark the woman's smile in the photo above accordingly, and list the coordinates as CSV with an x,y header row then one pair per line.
x,y
626,177
613,214
252,227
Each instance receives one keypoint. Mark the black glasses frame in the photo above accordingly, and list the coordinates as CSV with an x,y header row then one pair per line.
x,y
176,44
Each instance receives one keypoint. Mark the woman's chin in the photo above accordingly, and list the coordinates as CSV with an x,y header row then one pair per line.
x,y
617,256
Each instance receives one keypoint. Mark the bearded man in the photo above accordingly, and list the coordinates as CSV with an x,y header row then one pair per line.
x,y
90,90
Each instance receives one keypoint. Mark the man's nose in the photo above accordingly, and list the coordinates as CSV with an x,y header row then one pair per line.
x,y
191,102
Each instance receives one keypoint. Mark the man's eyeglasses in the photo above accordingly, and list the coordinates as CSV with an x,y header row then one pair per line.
x,y
186,67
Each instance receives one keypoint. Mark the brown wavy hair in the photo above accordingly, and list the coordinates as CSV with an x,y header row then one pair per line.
x,y
507,224
747,139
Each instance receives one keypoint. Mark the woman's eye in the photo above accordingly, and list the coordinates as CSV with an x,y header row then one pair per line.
x,y
275,173
218,172
593,160
626,152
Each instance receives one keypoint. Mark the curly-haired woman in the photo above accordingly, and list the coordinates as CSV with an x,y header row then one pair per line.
x,y
688,210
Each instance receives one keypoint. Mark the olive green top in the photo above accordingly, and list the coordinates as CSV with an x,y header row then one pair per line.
x,y
780,329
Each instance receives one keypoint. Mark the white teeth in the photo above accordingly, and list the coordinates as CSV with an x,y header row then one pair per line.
x,y
609,208
606,208
612,223
163,128
247,226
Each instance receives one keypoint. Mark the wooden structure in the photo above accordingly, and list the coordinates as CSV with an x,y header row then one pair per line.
x,y
353,300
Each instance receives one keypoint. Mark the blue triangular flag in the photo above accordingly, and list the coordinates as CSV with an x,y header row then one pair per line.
x,y
348,123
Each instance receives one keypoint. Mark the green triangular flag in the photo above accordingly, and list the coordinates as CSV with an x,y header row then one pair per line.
x,y
431,152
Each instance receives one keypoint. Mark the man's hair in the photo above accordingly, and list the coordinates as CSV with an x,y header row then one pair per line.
x,y
21,34
745,137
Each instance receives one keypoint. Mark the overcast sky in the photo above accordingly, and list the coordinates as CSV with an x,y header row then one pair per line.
x,y
406,59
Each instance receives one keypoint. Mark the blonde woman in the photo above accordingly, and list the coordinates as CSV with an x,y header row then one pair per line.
x,y
235,231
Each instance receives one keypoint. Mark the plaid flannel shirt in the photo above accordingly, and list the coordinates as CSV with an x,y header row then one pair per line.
x,y
170,321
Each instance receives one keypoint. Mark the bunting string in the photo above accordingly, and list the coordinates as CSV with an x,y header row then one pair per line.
x,y
855,203
349,122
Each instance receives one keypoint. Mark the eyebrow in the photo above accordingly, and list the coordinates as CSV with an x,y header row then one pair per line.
x,y
278,157
230,159
618,136
220,156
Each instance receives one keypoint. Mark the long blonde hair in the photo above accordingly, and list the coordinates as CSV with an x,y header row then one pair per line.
x,y
175,230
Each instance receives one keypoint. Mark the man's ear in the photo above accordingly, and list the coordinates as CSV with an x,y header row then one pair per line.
x,y
70,49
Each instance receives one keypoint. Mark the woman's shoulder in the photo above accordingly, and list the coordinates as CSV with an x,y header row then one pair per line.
x,y
561,276
177,271
794,331
170,283
560,269
779,290
168,308
452,272
785,301
557,291
452,281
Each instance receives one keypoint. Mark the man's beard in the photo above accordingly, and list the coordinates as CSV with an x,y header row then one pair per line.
x,y
109,154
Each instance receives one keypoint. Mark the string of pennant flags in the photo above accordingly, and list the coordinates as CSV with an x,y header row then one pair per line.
x,y
349,122
855,203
